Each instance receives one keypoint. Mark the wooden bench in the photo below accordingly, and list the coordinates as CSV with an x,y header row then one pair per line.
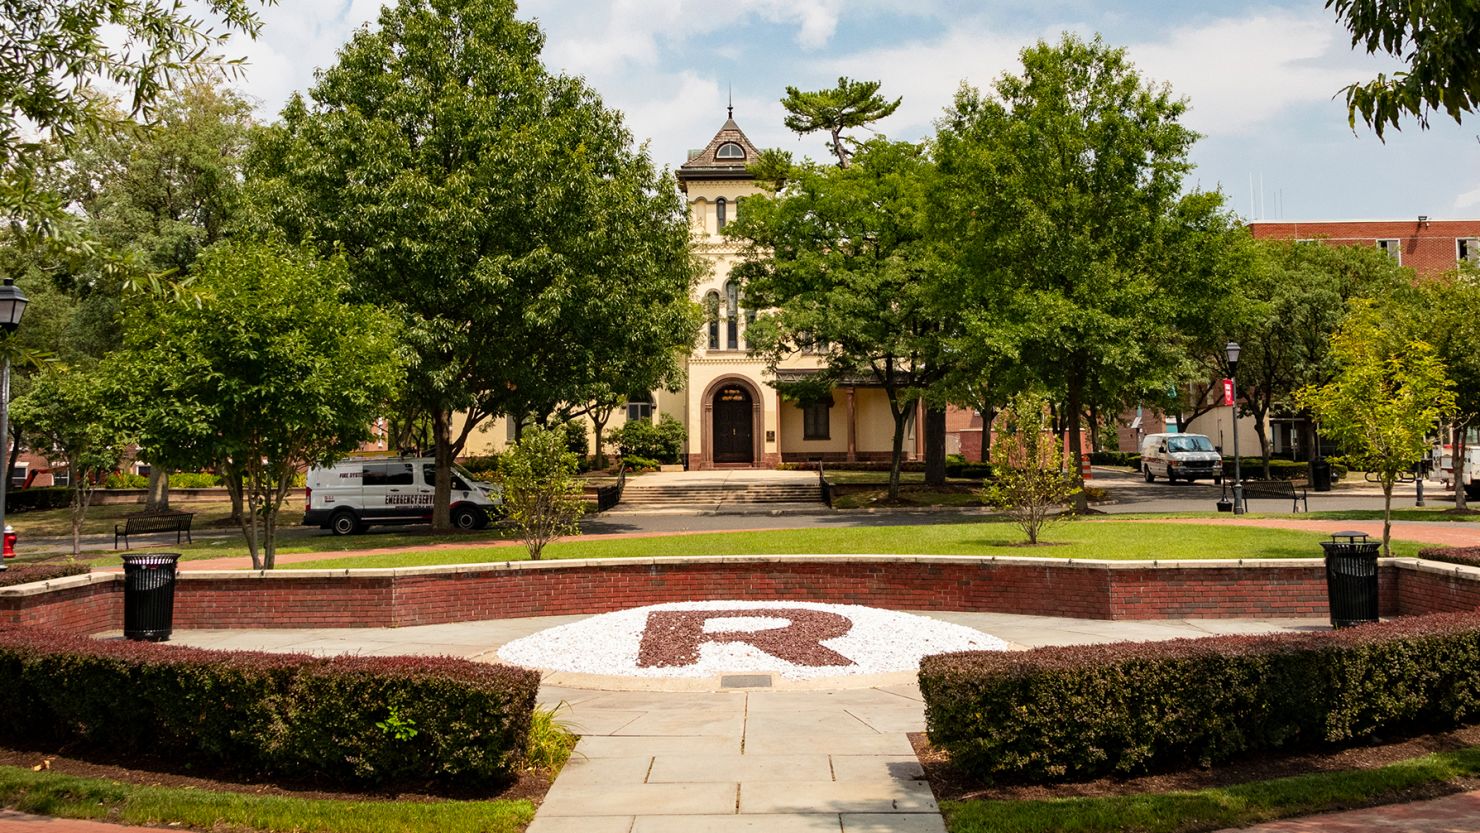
x,y
141,523
1276,490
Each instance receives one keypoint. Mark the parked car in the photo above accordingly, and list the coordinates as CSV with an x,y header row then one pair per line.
x,y
362,491
1189,457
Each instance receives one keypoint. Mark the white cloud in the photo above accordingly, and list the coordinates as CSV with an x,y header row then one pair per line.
x,y
1468,199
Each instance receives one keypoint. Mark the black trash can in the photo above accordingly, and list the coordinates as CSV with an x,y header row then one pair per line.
x,y
1320,475
149,596
1351,578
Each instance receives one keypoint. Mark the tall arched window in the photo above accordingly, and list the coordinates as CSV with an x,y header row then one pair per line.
x,y
720,213
711,306
732,315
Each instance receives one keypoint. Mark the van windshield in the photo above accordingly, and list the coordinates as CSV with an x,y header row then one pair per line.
x,y
1189,443
429,474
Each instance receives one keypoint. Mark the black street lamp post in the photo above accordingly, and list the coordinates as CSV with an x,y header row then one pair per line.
x,y
12,307
1232,350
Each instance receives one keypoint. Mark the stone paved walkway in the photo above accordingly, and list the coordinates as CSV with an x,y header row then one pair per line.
x,y
1441,533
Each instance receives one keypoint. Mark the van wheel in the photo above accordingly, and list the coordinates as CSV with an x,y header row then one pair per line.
x,y
1472,491
468,517
344,522
1149,476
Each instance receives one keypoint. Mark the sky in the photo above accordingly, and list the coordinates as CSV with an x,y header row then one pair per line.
x,y
1263,81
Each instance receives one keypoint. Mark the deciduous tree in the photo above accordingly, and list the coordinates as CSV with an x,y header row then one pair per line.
x,y
1060,200
270,372
541,495
1389,395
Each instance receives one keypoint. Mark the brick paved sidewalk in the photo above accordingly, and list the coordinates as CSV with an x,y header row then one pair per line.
x,y
1442,533
13,822
1451,814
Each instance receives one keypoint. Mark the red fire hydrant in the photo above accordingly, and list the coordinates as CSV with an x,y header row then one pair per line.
x,y
9,541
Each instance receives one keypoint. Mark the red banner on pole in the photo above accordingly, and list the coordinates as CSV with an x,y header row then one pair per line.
x,y
1227,391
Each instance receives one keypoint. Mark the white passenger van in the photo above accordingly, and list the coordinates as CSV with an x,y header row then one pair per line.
x,y
360,491
1189,457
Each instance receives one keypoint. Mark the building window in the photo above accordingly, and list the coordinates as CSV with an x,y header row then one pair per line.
x,y
711,306
817,420
749,319
639,407
142,469
721,218
732,315
18,475
511,428
61,477
1393,248
729,150
1467,248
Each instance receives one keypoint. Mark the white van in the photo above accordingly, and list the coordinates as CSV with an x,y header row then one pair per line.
x,y
359,491
1189,457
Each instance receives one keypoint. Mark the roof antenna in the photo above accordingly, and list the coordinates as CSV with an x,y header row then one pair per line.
x,y
730,110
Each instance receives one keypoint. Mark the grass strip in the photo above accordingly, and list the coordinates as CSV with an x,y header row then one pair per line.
x,y
1117,541
67,796
1219,807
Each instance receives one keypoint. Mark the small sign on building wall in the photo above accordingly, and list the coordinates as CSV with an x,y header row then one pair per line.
x,y
1227,391
770,436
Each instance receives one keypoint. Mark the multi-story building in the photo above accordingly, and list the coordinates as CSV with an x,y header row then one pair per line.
x,y
1426,246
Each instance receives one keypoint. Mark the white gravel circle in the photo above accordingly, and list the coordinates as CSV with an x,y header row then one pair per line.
x,y
880,641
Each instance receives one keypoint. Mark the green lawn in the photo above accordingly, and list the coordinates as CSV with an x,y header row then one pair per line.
x,y
1070,540
100,518
1217,808
54,794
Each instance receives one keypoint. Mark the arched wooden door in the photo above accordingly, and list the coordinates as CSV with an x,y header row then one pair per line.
x,y
734,425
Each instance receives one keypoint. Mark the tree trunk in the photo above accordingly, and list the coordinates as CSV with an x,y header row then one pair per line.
x,y
935,446
1076,445
233,483
988,416
158,499
900,417
1263,439
1387,513
1094,429
442,493
598,427
1459,452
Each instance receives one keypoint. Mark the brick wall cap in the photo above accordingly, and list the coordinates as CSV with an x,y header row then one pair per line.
x,y
1441,568
37,588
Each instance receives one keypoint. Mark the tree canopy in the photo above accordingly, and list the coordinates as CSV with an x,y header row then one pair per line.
x,y
1437,39
849,105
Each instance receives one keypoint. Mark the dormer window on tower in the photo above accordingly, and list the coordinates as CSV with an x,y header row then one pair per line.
x,y
730,150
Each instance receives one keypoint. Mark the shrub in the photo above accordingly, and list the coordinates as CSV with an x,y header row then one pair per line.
x,y
484,467
1465,556
27,573
541,495
1253,468
194,480
636,463
124,480
640,438
38,499
973,471
1032,473
452,722
1132,707
577,438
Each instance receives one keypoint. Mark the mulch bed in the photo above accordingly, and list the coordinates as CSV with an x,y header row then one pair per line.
x,y
950,784
531,785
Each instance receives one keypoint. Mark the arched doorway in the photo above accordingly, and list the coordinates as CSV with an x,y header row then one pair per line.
x,y
734,425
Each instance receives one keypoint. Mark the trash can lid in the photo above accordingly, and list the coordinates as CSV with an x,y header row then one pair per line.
x,y
1350,535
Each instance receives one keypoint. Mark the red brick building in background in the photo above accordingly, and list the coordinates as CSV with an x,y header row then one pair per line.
x,y
1426,246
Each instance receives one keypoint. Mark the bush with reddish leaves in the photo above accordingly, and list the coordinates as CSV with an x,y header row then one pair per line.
x,y
27,573
1466,556
353,721
1082,712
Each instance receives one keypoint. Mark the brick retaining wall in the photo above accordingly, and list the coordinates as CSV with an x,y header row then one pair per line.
x,y
1043,587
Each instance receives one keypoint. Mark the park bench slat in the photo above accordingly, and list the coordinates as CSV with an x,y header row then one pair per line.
x,y
1276,490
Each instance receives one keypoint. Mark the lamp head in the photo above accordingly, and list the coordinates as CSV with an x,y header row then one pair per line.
x,y
12,305
1231,350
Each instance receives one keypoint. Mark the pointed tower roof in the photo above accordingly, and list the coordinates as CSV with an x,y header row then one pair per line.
x,y
725,157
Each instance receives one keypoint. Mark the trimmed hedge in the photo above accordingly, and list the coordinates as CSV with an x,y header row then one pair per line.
x,y
355,721
1465,556
27,573
1115,458
1087,711
37,498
